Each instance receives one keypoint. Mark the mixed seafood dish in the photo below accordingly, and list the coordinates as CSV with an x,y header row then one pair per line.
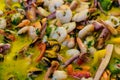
x,y
59,39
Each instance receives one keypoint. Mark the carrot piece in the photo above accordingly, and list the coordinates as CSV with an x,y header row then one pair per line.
x,y
70,69
42,47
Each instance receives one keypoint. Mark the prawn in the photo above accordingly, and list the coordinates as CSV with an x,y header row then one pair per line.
x,y
23,30
69,26
1,12
31,13
32,32
73,52
77,73
30,29
83,15
59,75
69,42
81,45
3,23
73,5
60,34
88,28
37,25
64,14
46,2
82,6
24,23
54,4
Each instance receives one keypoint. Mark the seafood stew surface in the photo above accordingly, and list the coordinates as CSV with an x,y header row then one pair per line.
x,y
59,39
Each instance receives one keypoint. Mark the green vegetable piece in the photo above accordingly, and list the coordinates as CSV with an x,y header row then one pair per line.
x,y
106,4
37,31
48,31
113,67
16,21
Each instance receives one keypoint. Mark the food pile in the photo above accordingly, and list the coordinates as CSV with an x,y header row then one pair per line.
x,y
60,40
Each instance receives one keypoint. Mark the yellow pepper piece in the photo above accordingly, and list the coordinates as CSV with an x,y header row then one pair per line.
x,y
16,5
98,55
2,4
114,40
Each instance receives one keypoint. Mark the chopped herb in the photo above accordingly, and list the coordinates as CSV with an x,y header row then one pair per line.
x,y
106,4
48,31
37,31
16,21
89,44
114,69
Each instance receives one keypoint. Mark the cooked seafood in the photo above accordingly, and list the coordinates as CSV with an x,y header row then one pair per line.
x,y
59,39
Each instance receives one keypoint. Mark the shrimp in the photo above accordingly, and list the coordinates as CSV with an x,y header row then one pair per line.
x,y
88,28
60,34
1,12
73,52
3,23
42,12
82,6
23,30
73,5
37,25
81,45
69,26
64,14
31,13
71,42
46,2
24,23
77,73
59,75
54,4
32,32
81,16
